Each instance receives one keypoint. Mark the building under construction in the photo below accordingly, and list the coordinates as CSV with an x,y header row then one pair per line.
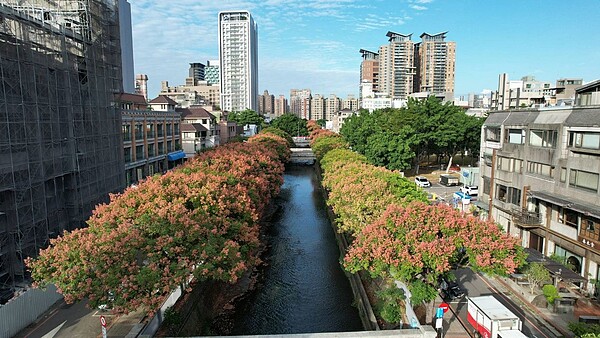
x,y
60,144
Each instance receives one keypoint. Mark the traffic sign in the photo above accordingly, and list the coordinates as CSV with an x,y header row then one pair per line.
x,y
444,307
103,321
439,312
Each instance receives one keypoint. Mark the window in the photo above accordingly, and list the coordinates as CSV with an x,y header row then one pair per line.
x,y
567,217
515,136
169,146
486,185
540,169
583,179
127,154
543,138
139,153
139,131
563,174
161,148
204,121
150,130
508,194
586,140
509,164
492,134
151,150
126,129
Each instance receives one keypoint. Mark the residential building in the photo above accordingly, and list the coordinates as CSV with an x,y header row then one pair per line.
x,y
300,102
193,93
564,91
403,67
141,85
211,72
151,138
238,61
435,62
524,93
281,106
589,94
340,117
317,107
196,72
350,103
333,105
540,180
369,69
199,130
266,104
60,135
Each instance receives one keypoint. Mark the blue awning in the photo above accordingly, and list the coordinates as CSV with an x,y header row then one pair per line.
x,y
176,155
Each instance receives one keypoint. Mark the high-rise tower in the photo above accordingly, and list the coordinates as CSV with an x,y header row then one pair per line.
x,y
238,59
435,65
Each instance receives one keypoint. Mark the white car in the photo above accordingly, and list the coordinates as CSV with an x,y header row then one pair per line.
x,y
422,182
471,190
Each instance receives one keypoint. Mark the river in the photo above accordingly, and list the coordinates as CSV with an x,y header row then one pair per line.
x,y
304,289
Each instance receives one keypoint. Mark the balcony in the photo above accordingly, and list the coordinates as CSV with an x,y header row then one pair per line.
x,y
526,219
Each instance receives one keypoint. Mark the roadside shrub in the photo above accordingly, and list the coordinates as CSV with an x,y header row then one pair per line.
x,y
391,304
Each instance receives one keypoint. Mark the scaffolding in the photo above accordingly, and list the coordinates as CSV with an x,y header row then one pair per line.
x,y
60,133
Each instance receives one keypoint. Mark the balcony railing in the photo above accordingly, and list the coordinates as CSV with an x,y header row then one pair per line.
x,y
526,219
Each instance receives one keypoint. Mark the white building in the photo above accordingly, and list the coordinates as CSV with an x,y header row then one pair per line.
x,y
238,59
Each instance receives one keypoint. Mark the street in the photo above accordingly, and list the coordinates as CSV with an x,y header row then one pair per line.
x,y
476,285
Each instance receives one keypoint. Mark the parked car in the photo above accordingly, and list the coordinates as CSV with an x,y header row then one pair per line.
x,y
422,182
471,190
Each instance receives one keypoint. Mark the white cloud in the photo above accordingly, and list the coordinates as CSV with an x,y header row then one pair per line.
x,y
418,8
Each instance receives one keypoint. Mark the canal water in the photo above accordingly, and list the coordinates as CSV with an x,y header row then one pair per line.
x,y
304,289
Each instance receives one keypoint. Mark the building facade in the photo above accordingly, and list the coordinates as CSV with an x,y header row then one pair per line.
x,y
196,72
540,181
151,137
200,130
403,67
435,64
60,130
238,61
300,102
281,106
266,104
211,72
193,93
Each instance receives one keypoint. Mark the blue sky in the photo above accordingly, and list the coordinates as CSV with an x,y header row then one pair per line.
x,y
315,43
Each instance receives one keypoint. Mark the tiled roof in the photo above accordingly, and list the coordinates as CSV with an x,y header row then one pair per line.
x,y
128,97
194,113
163,99
192,127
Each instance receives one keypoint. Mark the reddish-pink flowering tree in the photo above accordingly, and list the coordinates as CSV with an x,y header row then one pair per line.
x,y
421,241
200,219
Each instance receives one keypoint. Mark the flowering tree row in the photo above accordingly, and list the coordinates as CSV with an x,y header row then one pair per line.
x,y
199,219
397,234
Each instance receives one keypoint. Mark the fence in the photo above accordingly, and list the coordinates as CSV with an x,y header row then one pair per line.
x,y
25,309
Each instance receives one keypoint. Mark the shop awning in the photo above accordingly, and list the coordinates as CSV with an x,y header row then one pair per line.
x,y
176,155
555,268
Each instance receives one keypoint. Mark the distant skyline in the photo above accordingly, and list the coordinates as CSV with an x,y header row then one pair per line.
x,y
315,44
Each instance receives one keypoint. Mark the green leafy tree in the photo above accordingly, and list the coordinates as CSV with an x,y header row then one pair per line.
x,y
391,304
246,117
291,124
536,274
322,122
585,330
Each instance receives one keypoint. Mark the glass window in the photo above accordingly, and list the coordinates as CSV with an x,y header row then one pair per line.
x,y
583,179
492,134
515,136
563,174
543,138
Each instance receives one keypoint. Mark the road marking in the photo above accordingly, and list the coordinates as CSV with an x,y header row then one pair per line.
x,y
53,333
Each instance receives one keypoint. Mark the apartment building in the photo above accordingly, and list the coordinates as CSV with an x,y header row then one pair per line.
x,y
193,93
317,107
211,72
333,105
404,67
266,104
350,103
435,64
196,72
60,130
540,180
238,61
151,137
281,106
199,130
300,102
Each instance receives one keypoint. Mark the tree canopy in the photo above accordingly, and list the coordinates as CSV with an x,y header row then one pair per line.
x,y
199,219
291,124
399,138
245,117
